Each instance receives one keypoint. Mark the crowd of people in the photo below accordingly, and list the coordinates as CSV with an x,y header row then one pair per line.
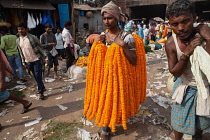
x,y
117,63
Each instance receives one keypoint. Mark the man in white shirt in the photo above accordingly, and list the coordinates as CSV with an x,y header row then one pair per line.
x,y
69,47
76,49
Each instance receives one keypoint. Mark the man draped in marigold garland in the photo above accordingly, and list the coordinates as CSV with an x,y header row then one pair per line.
x,y
116,77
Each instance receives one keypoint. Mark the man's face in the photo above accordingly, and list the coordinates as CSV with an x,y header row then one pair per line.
x,y
22,31
48,29
182,25
109,21
69,27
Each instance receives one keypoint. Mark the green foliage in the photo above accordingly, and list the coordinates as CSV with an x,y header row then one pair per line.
x,y
147,49
61,130
17,93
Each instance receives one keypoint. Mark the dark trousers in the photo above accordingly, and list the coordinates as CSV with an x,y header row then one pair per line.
x,y
153,38
61,53
69,58
36,68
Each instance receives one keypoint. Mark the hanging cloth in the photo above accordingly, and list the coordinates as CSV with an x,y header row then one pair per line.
x,y
40,18
37,20
29,21
33,20
47,19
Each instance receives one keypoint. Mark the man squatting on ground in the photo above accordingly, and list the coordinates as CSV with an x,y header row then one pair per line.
x,y
179,47
4,94
32,55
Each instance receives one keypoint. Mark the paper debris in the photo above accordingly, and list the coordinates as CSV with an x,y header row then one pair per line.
x,y
45,125
58,98
18,87
4,112
33,122
83,134
20,83
29,131
62,107
49,89
86,122
26,117
8,121
68,80
49,80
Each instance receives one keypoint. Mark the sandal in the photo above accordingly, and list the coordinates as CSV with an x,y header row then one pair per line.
x,y
25,108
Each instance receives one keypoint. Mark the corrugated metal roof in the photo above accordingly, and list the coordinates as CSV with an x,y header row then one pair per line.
x,y
86,7
37,5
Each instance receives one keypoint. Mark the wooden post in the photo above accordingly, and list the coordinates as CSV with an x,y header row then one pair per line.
x,y
72,20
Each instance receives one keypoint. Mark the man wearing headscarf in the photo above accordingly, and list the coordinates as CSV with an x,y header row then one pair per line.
x,y
99,101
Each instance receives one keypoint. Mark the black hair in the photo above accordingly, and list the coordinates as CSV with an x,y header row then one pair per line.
x,y
67,23
47,25
126,15
103,13
59,28
22,24
180,7
4,29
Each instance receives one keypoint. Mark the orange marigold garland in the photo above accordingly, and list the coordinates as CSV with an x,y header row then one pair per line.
x,y
114,87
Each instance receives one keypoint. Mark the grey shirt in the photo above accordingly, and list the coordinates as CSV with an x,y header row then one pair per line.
x,y
47,38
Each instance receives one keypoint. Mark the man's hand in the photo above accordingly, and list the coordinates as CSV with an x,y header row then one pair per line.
x,y
51,44
100,38
194,42
119,42
204,31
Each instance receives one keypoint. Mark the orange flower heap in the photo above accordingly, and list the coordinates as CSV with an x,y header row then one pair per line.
x,y
114,88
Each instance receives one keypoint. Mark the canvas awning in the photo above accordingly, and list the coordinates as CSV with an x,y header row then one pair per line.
x,y
35,5
85,7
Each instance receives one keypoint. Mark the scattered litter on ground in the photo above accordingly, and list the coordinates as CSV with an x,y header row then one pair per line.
x,y
49,80
7,79
34,96
146,138
165,137
58,98
29,131
8,133
45,125
67,87
79,99
162,101
8,121
83,134
19,87
68,80
70,90
20,83
96,137
86,122
62,107
37,120
49,89
26,117
4,112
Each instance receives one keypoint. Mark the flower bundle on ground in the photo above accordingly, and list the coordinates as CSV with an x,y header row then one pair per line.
x,y
82,61
114,88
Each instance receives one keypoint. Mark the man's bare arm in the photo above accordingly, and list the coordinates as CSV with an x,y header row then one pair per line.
x,y
175,67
